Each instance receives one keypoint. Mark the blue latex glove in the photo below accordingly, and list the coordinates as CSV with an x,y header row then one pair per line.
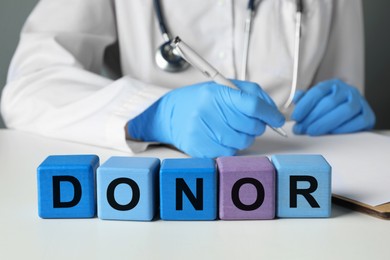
x,y
332,107
208,119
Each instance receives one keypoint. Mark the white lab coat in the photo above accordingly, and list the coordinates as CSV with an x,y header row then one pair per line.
x,y
55,87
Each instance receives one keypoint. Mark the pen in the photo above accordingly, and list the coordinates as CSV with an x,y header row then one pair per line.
x,y
209,71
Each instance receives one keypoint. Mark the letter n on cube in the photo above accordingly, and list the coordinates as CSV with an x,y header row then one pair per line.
x,y
188,189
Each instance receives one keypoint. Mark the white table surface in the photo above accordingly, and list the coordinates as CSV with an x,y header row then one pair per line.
x,y
23,235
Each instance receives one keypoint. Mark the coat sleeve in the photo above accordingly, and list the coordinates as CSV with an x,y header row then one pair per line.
x,y
54,85
344,56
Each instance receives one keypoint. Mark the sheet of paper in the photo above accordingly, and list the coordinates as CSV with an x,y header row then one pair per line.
x,y
360,162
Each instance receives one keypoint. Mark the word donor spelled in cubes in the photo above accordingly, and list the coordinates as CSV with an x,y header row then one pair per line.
x,y
228,188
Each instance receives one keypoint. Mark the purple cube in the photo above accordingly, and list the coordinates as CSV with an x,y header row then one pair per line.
x,y
246,188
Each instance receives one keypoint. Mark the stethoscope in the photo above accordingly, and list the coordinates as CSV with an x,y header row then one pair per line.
x,y
169,60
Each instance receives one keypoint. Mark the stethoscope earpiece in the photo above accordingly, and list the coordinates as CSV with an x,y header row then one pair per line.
x,y
169,60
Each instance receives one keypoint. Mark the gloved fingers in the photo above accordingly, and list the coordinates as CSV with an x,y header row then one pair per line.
x,y
234,139
332,120
363,121
246,125
324,106
298,95
310,99
251,109
253,106
254,89
242,123
222,133
209,150
205,147
355,124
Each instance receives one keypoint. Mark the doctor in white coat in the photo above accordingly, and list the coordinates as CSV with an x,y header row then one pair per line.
x,y
56,87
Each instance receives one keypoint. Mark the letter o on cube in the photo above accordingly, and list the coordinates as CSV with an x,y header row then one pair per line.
x,y
126,188
246,188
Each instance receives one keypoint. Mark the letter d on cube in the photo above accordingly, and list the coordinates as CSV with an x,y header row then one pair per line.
x,y
66,186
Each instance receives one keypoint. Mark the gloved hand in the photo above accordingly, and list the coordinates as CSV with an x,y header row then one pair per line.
x,y
332,107
208,119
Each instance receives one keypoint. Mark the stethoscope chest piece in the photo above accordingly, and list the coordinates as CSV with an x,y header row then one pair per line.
x,y
168,60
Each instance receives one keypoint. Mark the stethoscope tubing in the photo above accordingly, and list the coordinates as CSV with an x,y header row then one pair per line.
x,y
247,35
178,64
297,47
161,21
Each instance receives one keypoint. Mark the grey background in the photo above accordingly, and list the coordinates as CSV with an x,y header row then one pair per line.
x,y
377,20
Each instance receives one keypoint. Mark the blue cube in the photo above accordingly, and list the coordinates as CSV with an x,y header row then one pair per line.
x,y
127,188
188,189
304,186
66,186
